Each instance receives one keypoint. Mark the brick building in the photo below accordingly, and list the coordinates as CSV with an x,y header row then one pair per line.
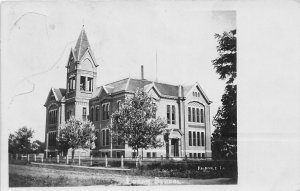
x,y
185,108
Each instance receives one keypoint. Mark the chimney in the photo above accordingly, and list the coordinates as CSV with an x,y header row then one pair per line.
x,y
142,72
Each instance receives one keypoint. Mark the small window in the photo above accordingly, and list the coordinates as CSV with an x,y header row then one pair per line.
x,y
154,155
148,154
203,155
191,155
199,155
195,155
118,154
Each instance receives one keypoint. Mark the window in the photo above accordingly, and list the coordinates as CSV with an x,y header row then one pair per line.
x,y
51,138
173,114
97,139
105,111
202,116
203,155
168,114
84,113
72,83
69,114
171,117
198,138
107,137
103,137
118,154
194,138
195,155
82,83
119,141
189,114
53,116
202,138
148,154
191,155
198,115
90,84
199,155
92,114
193,114
97,113
154,155
190,138
118,105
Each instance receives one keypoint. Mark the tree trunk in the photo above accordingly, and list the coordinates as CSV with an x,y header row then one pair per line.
x,y
73,152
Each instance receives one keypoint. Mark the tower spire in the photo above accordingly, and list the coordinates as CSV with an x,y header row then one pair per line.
x,y
82,44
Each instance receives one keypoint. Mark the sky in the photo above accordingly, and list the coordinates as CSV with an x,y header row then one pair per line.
x,y
37,38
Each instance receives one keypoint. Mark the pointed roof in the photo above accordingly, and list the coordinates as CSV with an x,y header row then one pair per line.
x,y
82,45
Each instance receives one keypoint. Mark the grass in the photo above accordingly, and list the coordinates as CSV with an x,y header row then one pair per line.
x,y
16,180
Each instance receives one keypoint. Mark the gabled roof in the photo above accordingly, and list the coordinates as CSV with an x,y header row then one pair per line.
x,y
82,45
59,94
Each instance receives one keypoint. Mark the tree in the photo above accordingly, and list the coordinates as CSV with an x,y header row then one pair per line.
x,y
76,134
38,146
136,124
20,141
224,138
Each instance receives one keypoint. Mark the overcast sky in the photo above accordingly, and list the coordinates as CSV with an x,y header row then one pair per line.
x,y
37,38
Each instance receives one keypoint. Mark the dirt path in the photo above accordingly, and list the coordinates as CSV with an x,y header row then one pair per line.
x,y
37,171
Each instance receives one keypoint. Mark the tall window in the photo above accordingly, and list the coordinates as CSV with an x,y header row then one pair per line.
x,y
202,138
173,114
118,105
193,114
69,114
53,116
52,138
194,138
90,84
107,137
84,113
105,111
198,115
92,114
202,116
72,83
190,138
168,114
103,137
97,113
198,138
189,114
82,83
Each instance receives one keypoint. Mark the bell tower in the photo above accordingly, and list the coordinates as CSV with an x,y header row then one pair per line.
x,y
81,78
